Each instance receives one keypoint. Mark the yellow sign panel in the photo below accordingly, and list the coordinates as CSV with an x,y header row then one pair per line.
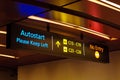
x,y
71,46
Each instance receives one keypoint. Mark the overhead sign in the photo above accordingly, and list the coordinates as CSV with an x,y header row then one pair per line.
x,y
26,38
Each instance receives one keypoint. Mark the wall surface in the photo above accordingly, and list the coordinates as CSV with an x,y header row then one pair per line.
x,y
8,74
69,69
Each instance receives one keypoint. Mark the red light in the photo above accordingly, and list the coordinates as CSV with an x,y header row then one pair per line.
x,y
93,9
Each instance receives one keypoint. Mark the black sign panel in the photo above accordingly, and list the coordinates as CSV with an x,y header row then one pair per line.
x,y
22,37
19,37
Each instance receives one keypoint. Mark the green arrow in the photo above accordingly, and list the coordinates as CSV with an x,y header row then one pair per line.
x,y
58,44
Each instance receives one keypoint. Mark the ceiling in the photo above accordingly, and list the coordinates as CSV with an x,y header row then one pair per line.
x,y
80,12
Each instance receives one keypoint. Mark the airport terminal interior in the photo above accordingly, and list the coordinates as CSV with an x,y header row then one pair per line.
x,y
59,40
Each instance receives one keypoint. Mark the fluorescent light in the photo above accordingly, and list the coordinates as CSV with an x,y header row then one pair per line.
x,y
112,39
72,26
108,4
111,3
3,32
2,45
9,56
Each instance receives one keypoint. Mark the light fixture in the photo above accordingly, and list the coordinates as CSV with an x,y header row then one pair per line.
x,y
9,56
111,3
3,32
108,4
72,26
2,45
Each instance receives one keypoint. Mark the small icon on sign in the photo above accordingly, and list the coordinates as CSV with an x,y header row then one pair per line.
x,y
58,44
65,41
65,49
97,54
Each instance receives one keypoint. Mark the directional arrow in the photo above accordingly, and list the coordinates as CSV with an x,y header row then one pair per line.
x,y
58,43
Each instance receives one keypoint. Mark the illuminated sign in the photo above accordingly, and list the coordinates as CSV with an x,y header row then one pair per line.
x,y
19,37
22,37
72,48
31,42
